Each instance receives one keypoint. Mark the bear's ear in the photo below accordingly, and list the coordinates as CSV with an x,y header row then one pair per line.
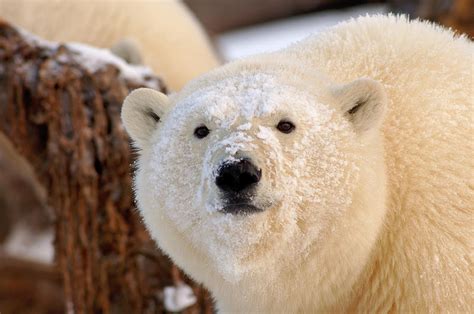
x,y
363,102
141,111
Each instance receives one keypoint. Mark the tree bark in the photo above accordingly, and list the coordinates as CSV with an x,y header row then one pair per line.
x,y
60,108
22,198
29,287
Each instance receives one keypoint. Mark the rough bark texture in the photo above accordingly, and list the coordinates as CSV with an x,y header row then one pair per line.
x,y
22,198
64,119
29,287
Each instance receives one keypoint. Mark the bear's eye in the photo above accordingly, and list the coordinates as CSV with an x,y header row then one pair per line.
x,y
285,126
201,131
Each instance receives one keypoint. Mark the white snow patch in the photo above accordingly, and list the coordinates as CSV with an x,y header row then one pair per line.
x,y
247,95
237,142
35,40
264,133
178,298
245,127
25,244
94,58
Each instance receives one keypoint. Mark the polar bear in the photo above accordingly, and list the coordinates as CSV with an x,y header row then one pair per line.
x,y
335,175
163,34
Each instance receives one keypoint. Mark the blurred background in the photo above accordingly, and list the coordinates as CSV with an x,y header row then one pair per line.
x,y
70,236
241,28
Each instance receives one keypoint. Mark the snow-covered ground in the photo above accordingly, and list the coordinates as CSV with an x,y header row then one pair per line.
x,y
280,33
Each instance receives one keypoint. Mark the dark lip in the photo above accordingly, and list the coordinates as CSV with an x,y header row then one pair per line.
x,y
241,209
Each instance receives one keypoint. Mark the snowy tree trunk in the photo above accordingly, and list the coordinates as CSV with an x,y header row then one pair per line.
x,y
60,108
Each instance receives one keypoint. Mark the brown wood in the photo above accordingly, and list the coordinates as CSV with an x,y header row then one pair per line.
x,y
22,197
29,287
64,119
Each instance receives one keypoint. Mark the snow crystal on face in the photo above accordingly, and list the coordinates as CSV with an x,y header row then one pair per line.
x,y
245,127
246,96
237,142
264,133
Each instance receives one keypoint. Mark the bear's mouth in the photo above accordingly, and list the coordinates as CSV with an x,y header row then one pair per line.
x,y
241,209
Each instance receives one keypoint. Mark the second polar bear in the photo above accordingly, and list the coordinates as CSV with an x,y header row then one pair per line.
x,y
165,33
335,175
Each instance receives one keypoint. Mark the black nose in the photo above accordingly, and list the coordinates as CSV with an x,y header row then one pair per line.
x,y
238,176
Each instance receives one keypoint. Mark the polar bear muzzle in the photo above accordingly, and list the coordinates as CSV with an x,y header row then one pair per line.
x,y
237,181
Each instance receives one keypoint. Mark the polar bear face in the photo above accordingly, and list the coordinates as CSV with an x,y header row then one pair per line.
x,y
251,170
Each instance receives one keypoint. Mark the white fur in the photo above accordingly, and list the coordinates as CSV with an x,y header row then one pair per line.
x,y
367,210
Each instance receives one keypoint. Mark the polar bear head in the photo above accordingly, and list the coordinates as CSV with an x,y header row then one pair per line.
x,y
250,168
